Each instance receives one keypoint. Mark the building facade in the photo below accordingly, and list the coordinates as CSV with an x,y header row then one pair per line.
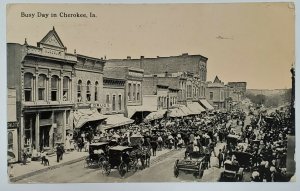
x,y
196,64
12,124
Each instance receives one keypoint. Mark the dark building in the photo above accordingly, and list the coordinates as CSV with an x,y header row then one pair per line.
x,y
196,64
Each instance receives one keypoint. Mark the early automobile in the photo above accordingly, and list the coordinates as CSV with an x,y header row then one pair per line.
x,y
120,157
195,163
97,154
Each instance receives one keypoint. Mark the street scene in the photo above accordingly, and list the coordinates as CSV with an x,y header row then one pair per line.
x,y
214,113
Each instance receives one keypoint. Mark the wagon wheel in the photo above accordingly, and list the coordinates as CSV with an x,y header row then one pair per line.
x,y
201,170
122,169
101,160
106,168
87,162
135,165
176,171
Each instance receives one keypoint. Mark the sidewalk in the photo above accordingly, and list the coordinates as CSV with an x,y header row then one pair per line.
x,y
21,171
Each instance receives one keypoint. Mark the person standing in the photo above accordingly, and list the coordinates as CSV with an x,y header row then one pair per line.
x,y
221,158
58,152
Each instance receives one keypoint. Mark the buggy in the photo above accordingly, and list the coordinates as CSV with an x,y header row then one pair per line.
x,y
195,163
97,154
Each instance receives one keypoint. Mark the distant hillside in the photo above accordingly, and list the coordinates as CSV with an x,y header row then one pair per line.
x,y
267,92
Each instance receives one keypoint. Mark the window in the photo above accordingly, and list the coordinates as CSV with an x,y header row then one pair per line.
x,y
54,88
67,117
88,91
10,139
129,92
138,92
96,91
120,102
41,87
134,92
211,95
28,81
114,103
66,88
107,102
79,91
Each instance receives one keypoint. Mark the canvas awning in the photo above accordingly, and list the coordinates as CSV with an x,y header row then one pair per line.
x,y
206,104
156,115
139,108
185,110
195,108
116,121
177,112
83,116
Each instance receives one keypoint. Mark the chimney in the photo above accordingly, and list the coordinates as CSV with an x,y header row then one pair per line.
x,y
157,56
185,54
142,57
128,57
166,73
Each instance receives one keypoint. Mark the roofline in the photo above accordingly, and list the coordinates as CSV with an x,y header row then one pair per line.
x,y
135,59
89,57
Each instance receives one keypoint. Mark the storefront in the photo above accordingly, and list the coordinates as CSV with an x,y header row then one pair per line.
x,y
12,141
43,129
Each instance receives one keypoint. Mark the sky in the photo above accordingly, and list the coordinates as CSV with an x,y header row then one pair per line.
x,y
254,42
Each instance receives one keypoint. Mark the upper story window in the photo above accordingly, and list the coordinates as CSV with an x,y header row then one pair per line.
x,y
79,91
134,92
42,87
66,82
129,92
211,95
120,102
88,91
96,91
114,103
107,102
138,92
54,88
28,86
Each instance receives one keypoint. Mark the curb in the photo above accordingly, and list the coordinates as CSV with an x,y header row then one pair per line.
x,y
17,178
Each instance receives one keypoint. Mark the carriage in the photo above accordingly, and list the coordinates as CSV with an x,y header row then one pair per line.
x,y
232,171
233,139
97,154
120,157
195,163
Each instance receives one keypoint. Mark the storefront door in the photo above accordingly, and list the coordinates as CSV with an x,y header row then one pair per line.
x,y
45,136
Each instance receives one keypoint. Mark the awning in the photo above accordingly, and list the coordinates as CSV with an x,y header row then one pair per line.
x,y
83,116
206,104
177,112
140,108
185,110
116,121
156,115
195,108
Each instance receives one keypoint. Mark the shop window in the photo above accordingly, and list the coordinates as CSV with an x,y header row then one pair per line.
x,y
88,91
79,91
66,88
67,117
54,88
129,92
107,102
42,87
28,86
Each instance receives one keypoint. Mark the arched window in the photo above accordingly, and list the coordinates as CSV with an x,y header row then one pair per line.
x,y
88,91
28,86
96,91
107,102
66,81
54,88
134,92
42,87
79,91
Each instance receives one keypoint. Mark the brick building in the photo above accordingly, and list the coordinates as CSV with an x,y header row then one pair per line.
x,y
12,124
196,64
216,93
